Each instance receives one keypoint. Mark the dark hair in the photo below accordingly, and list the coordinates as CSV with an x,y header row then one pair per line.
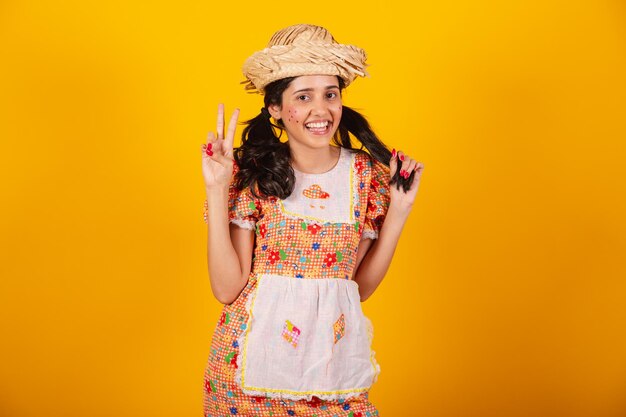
x,y
264,161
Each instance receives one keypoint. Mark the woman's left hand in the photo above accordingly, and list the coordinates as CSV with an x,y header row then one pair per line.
x,y
400,198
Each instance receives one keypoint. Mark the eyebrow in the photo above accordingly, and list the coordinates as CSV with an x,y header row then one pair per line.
x,y
328,87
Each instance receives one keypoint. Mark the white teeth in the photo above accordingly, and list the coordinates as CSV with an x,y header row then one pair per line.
x,y
321,124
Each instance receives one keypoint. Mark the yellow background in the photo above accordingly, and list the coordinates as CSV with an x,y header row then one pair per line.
x,y
507,293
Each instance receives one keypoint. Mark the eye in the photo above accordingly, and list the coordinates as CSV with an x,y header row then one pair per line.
x,y
331,95
301,97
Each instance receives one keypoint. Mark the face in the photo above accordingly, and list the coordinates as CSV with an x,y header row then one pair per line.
x,y
311,109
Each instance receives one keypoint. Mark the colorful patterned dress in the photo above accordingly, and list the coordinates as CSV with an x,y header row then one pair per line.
x,y
312,236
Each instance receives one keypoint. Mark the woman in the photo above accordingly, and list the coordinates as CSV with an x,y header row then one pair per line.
x,y
299,233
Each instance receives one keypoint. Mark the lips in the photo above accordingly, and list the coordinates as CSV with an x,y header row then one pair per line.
x,y
319,123
319,127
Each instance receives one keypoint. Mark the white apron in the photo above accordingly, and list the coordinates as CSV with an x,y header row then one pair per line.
x,y
305,338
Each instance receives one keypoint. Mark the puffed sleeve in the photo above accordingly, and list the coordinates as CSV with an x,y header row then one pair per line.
x,y
377,200
243,208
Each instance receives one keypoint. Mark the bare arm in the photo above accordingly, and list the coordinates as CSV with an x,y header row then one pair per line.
x,y
374,256
229,250
229,247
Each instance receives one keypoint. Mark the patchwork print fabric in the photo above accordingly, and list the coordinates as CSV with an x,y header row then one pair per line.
x,y
291,333
339,327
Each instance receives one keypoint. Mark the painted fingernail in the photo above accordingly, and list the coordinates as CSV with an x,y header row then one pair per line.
x,y
393,153
402,173
209,145
209,152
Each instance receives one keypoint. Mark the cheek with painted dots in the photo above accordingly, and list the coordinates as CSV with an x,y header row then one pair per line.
x,y
293,113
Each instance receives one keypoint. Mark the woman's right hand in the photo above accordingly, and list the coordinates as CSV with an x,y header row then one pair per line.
x,y
217,153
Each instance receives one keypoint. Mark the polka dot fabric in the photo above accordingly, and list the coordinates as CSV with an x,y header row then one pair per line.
x,y
303,250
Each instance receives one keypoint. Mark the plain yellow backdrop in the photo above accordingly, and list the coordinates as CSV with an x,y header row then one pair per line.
x,y
507,294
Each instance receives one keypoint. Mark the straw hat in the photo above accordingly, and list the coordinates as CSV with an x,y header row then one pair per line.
x,y
302,50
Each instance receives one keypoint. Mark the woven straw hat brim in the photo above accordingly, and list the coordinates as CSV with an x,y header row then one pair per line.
x,y
308,57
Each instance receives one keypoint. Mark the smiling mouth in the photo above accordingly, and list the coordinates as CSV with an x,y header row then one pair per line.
x,y
318,128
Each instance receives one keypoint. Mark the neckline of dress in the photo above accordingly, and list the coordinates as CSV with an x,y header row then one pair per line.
x,y
341,155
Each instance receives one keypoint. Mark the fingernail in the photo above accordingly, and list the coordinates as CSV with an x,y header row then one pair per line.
x,y
402,157
393,153
209,152
209,145
402,173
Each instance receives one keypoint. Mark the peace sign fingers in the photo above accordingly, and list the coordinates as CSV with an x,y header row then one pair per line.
x,y
230,134
220,121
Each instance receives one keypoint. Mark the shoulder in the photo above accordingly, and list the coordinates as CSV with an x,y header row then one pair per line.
x,y
360,155
369,166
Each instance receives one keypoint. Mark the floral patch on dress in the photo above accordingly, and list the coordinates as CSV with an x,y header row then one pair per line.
x,y
291,333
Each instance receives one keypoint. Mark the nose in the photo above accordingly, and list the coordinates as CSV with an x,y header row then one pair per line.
x,y
320,107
